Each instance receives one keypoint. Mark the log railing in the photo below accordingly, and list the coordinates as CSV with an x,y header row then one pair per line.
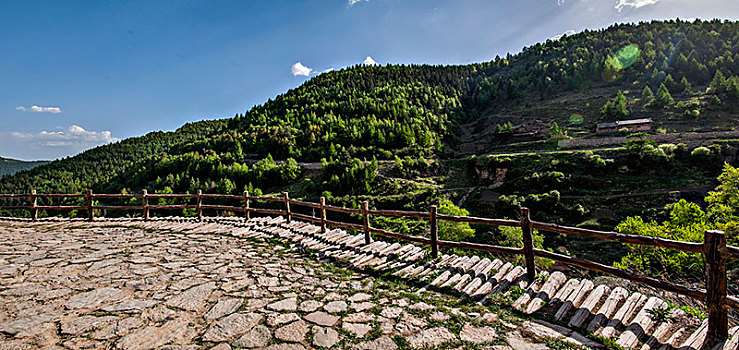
x,y
714,247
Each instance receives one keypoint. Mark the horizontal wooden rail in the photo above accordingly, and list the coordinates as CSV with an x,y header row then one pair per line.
x,y
344,225
625,274
305,204
476,220
732,302
111,196
343,210
10,195
222,207
222,196
267,211
56,195
117,207
402,237
173,206
171,196
306,217
482,247
400,213
61,207
266,199
732,252
621,237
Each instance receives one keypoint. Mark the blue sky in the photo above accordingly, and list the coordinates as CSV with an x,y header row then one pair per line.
x,y
76,74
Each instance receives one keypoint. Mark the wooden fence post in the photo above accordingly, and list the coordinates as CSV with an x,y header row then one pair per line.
x,y
716,284
323,214
528,243
199,206
145,203
34,211
247,213
365,222
288,213
434,232
89,205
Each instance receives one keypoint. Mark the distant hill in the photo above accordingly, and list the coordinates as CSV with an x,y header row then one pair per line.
x,y
12,166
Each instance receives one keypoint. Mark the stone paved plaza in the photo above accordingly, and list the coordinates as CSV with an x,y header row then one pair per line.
x,y
85,286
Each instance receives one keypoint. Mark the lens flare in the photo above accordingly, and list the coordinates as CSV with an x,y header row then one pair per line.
x,y
622,59
626,56
576,119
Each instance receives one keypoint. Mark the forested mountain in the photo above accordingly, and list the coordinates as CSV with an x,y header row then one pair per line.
x,y
100,165
12,166
683,75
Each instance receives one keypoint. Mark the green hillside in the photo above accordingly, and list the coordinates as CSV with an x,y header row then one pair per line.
x,y
12,166
402,135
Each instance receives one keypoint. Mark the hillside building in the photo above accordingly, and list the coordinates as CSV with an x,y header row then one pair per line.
x,y
632,125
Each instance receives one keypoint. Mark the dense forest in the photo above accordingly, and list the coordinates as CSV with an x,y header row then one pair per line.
x,y
404,136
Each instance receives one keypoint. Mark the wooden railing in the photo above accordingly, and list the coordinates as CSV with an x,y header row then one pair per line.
x,y
714,247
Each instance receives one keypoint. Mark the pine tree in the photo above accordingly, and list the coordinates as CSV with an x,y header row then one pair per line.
x,y
238,151
670,82
555,130
663,97
718,83
618,107
685,84
732,87
647,96
509,127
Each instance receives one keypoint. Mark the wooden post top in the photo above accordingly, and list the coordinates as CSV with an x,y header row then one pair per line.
x,y
715,232
525,212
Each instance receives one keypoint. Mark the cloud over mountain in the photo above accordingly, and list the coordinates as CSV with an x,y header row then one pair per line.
x,y
369,61
299,69
621,4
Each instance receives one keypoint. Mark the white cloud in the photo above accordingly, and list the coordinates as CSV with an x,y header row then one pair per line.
x,y
299,69
52,144
559,36
560,2
621,4
369,62
74,135
38,109
352,2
